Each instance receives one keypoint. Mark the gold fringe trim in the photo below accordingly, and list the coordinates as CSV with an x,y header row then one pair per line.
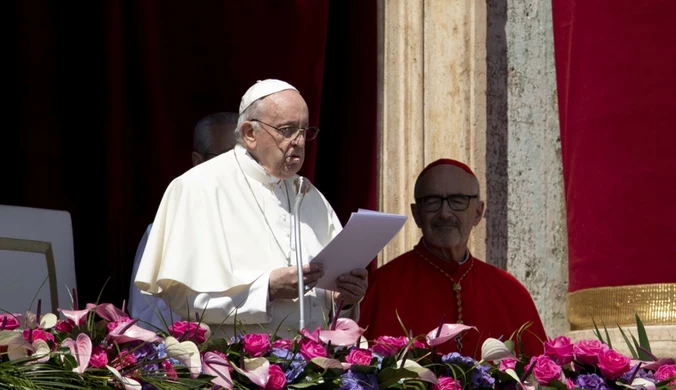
x,y
655,304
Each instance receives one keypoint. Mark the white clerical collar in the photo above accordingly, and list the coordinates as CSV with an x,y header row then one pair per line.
x,y
252,168
459,262
465,259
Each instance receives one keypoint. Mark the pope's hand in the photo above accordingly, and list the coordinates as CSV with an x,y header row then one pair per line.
x,y
352,286
284,281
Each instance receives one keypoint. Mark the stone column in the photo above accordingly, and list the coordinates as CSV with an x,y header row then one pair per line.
x,y
431,100
536,215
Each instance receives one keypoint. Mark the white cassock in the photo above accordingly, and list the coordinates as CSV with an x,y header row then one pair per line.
x,y
220,229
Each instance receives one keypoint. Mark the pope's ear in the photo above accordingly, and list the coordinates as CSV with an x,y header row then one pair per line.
x,y
248,133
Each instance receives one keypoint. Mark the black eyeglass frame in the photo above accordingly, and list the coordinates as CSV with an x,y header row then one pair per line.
x,y
447,199
297,131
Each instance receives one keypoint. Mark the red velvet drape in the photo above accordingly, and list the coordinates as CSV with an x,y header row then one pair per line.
x,y
617,99
106,95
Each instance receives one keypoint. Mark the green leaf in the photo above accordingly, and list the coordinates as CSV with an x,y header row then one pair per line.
x,y
557,384
390,376
302,385
327,363
642,338
610,343
69,362
597,333
626,340
635,343
510,345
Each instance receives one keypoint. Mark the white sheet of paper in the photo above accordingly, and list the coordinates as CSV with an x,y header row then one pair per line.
x,y
363,237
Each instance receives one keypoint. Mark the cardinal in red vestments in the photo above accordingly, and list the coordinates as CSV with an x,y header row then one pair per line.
x,y
439,281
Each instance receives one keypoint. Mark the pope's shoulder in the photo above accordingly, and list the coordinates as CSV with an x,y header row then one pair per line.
x,y
207,174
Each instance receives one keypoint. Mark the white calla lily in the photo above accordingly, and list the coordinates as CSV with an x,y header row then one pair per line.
x,y
186,352
424,374
48,321
495,350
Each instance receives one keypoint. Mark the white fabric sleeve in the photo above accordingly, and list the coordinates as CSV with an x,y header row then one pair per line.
x,y
249,303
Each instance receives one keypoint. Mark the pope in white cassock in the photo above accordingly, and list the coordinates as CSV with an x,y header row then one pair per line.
x,y
222,244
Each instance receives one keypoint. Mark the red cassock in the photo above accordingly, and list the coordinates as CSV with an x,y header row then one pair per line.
x,y
492,300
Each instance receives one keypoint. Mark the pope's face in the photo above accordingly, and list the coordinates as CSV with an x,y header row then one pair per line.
x,y
279,156
447,228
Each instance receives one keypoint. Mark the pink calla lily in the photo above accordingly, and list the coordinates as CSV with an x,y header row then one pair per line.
x,y
215,365
124,333
81,349
109,312
257,370
78,317
447,332
652,365
314,336
347,332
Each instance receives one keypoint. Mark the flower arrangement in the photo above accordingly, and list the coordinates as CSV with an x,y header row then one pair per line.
x,y
101,347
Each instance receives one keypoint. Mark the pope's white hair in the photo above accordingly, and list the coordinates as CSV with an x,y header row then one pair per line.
x,y
252,112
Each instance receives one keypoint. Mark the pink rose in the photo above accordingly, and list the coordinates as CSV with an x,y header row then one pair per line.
x,y
276,379
665,372
310,349
181,327
560,350
114,324
64,326
612,363
359,356
545,370
124,359
9,321
99,357
587,351
506,364
447,383
169,369
38,334
256,344
283,344
387,345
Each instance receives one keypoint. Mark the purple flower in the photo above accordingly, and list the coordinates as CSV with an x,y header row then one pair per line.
x,y
284,354
481,377
147,386
145,352
161,350
643,374
591,382
358,381
456,358
294,364
294,370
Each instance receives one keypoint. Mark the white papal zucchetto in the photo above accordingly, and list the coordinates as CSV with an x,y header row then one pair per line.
x,y
261,89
